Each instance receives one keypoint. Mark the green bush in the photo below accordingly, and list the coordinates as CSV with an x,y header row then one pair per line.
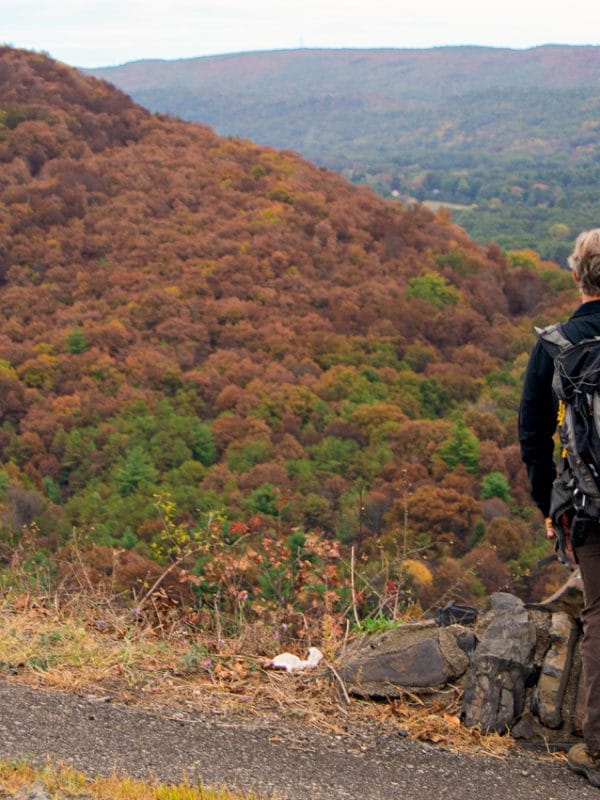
x,y
77,342
461,448
495,484
434,289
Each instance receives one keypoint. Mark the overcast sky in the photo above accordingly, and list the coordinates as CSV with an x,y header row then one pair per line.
x,y
103,32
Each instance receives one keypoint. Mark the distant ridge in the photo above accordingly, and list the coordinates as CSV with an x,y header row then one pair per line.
x,y
476,127
406,70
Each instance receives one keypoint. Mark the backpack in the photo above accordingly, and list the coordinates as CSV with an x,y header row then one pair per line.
x,y
576,383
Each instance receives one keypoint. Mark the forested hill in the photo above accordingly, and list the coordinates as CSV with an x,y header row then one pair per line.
x,y
508,136
239,331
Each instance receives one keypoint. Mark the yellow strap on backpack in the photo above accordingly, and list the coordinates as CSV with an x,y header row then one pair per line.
x,y
560,418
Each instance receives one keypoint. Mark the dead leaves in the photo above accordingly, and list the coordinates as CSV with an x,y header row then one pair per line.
x,y
437,723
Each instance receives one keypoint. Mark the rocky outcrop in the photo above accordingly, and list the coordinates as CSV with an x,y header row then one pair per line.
x,y
550,690
501,666
418,657
569,598
519,666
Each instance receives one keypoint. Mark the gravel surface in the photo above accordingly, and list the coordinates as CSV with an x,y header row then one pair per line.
x,y
272,759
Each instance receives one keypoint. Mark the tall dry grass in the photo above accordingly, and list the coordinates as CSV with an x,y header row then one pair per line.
x,y
62,781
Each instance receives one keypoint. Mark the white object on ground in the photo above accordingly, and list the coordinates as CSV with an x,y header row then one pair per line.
x,y
291,663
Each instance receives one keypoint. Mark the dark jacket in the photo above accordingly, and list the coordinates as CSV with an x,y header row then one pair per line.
x,y
537,413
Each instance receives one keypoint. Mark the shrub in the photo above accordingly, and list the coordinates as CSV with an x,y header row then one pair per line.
x,y
434,289
495,484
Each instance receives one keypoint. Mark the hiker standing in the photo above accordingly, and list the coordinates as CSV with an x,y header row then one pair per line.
x,y
571,502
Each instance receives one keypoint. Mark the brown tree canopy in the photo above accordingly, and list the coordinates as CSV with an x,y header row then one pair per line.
x,y
230,324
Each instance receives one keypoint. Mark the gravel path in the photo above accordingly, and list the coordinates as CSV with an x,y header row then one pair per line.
x,y
273,760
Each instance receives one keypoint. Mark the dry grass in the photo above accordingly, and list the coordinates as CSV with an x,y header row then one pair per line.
x,y
439,724
62,782
90,647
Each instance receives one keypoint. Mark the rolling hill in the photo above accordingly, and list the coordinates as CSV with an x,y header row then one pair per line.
x,y
200,332
507,138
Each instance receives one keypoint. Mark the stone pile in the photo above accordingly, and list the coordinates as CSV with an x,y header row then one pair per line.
x,y
518,666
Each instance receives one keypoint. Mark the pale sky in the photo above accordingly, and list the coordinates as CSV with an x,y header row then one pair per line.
x,y
90,33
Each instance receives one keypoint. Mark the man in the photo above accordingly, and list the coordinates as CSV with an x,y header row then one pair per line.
x,y
537,425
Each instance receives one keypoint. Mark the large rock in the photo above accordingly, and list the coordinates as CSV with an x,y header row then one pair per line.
x,y
417,657
550,691
568,598
501,667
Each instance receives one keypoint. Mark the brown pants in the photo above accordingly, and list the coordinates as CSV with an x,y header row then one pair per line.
x,y
588,557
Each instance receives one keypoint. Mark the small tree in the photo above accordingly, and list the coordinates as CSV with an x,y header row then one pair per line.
x,y
434,289
137,472
77,341
495,484
462,447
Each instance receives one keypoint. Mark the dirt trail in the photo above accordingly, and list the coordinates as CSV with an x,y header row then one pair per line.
x,y
272,759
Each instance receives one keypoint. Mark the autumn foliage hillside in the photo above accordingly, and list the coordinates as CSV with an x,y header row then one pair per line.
x,y
508,139
206,341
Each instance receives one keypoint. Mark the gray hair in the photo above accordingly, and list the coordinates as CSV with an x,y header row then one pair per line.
x,y
585,262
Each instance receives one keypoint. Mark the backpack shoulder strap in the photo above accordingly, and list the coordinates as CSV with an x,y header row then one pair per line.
x,y
553,339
